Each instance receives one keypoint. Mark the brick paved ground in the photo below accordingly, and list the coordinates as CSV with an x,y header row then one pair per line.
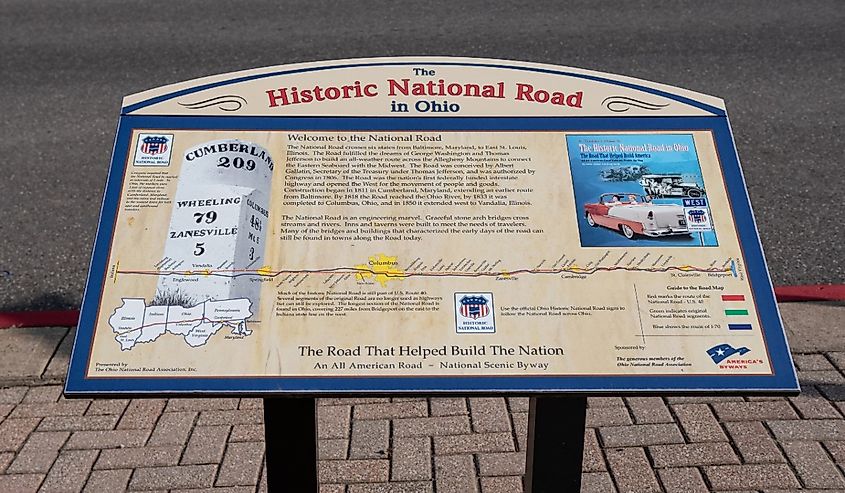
x,y
642,444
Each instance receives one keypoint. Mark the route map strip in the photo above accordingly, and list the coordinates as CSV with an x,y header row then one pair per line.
x,y
356,270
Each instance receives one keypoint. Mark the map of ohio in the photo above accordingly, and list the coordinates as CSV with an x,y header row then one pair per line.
x,y
134,322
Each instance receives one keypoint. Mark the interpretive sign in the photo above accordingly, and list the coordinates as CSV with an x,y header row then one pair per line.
x,y
426,224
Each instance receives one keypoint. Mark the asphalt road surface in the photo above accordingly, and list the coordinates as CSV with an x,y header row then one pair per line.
x,y
65,65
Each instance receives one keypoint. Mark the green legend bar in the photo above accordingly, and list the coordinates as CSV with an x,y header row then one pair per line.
x,y
736,312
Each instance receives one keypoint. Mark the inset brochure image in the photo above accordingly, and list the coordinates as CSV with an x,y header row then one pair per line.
x,y
639,190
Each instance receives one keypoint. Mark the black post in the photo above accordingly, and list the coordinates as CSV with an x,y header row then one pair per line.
x,y
555,444
290,436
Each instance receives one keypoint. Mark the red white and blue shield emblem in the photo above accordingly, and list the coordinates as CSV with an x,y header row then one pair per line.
x,y
154,144
697,216
474,307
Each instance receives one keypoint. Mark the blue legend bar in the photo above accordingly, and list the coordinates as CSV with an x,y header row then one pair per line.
x,y
739,326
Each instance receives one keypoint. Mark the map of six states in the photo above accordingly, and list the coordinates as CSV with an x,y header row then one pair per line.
x,y
452,218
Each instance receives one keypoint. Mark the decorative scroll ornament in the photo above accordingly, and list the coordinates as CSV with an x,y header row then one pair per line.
x,y
621,104
229,102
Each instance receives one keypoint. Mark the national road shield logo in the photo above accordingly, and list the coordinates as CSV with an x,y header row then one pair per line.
x,y
697,215
474,313
153,150
474,306
154,144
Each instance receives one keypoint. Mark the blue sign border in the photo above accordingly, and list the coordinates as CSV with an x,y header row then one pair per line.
x,y
782,381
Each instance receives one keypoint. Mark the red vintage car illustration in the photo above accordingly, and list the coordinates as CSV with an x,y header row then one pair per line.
x,y
633,214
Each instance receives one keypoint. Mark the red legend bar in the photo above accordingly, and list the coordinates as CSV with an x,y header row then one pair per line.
x,y
733,297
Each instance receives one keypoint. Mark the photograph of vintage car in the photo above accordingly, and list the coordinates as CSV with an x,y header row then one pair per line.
x,y
639,200
633,214
670,186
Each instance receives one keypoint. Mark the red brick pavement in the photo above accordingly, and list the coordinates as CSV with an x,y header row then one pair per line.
x,y
455,444
48,443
